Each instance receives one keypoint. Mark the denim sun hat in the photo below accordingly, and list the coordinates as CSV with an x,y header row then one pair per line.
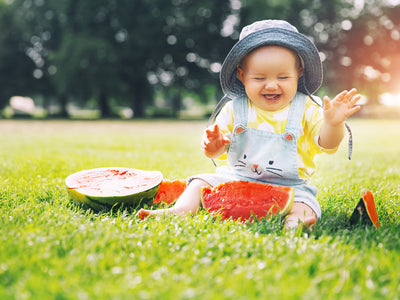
x,y
272,32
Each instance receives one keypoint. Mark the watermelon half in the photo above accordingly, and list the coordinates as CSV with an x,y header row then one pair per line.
x,y
244,200
106,187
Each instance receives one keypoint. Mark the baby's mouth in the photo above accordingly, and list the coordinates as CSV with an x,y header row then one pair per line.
x,y
271,97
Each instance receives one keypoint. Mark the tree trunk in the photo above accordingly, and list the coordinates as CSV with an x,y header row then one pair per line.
x,y
140,95
176,104
105,110
63,104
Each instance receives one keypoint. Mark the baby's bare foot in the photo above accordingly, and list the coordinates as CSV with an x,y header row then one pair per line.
x,y
294,222
145,213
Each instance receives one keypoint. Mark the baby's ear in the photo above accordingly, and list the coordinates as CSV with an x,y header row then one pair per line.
x,y
300,70
300,65
240,73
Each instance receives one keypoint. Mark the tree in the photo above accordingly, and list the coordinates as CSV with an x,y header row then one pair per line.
x,y
16,69
85,69
193,49
109,49
125,50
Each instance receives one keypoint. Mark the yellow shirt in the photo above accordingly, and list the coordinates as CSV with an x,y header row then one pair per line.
x,y
275,121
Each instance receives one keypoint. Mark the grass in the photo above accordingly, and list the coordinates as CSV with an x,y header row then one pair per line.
x,y
52,249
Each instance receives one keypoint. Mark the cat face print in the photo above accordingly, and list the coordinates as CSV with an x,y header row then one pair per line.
x,y
270,168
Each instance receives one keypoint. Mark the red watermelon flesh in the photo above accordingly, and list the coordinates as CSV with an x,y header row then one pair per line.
x,y
244,200
368,198
169,191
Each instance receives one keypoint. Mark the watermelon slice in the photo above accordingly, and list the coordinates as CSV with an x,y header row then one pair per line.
x,y
169,191
365,211
106,187
243,200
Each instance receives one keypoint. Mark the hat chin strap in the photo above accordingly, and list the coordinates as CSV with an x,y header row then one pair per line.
x,y
217,109
302,81
350,149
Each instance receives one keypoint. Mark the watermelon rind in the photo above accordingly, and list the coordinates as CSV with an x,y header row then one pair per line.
x,y
135,196
289,205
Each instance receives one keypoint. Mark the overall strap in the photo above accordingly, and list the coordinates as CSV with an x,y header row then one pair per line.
x,y
295,116
240,111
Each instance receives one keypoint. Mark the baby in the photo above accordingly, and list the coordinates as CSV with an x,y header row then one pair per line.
x,y
273,128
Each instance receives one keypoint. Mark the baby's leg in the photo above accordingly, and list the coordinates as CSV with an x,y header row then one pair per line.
x,y
188,202
301,214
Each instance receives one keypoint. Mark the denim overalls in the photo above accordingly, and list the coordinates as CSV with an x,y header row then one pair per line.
x,y
256,155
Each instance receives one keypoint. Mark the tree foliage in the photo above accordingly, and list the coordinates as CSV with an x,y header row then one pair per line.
x,y
16,68
122,52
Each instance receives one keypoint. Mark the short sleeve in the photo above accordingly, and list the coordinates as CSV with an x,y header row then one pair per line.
x,y
225,119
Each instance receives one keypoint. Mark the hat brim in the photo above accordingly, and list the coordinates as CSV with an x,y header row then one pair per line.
x,y
309,82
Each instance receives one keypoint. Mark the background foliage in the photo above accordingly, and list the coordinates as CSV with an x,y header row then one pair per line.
x,y
109,53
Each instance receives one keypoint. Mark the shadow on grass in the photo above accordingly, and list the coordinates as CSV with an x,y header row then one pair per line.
x,y
114,211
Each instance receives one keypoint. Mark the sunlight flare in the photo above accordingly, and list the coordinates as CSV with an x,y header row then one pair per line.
x,y
390,99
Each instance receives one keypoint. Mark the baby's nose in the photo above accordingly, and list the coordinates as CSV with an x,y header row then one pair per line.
x,y
270,84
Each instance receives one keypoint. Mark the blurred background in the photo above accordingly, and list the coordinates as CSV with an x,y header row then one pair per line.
x,y
161,58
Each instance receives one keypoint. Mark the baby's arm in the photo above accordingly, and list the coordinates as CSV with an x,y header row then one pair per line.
x,y
214,143
335,114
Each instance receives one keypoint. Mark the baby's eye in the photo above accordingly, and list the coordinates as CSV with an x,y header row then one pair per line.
x,y
283,77
259,78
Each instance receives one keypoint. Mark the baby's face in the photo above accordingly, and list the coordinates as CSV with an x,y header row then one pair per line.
x,y
270,76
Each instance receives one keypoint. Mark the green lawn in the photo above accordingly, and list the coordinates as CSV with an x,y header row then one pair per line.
x,y
52,249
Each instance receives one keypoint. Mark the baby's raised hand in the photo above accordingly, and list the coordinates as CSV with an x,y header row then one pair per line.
x,y
341,107
214,142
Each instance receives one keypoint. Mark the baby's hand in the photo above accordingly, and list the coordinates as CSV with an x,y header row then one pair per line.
x,y
341,107
214,143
